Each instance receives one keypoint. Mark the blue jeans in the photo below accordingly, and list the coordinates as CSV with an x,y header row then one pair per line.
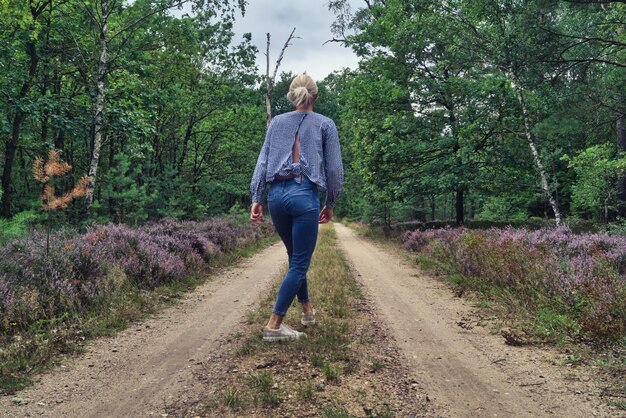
x,y
295,213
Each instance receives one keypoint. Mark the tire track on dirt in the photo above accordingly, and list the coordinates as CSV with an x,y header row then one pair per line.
x,y
137,372
453,363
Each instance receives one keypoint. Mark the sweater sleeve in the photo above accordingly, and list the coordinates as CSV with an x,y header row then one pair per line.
x,y
332,164
257,185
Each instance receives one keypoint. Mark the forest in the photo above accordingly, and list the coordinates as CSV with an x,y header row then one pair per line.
x,y
459,111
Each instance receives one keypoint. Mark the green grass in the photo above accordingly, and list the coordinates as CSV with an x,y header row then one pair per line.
x,y
232,398
263,384
554,327
376,366
483,304
335,412
331,373
620,404
316,360
306,390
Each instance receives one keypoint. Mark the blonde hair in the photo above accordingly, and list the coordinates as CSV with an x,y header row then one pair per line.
x,y
302,91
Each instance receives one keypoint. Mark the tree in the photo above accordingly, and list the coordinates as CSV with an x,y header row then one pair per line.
x,y
596,170
23,22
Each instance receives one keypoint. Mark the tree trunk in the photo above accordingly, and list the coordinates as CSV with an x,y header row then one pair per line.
x,y
186,139
272,80
537,158
459,207
100,103
472,206
432,208
621,150
45,118
460,212
111,165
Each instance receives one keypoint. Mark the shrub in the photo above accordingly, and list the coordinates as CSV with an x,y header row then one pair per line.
x,y
583,275
81,270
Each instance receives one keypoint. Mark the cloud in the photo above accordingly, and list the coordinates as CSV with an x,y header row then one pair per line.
x,y
312,21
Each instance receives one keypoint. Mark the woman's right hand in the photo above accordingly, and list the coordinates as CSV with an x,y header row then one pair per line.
x,y
256,213
326,215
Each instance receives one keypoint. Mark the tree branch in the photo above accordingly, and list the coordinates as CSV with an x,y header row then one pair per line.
x,y
282,52
146,16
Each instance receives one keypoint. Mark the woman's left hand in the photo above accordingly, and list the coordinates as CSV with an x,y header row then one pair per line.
x,y
326,215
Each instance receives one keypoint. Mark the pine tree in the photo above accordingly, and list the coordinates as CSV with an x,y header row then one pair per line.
x,y
44,172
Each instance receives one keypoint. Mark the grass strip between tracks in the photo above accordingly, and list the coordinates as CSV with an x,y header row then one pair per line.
x,y
348,366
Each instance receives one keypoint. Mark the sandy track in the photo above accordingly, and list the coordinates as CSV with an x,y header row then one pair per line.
x,y
139,371
467,373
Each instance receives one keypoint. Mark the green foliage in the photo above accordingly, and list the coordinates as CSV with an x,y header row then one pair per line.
x,y
18,225
127,199
593,193
430,124
511,207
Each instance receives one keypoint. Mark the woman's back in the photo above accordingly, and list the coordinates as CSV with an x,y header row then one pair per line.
x,y
318,152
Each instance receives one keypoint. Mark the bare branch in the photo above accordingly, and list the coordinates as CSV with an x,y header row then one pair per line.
x,y
90,13
282,52
271,80
583,39
338,40
599,60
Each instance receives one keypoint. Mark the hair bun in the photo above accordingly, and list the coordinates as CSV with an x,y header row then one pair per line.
x,y
302,91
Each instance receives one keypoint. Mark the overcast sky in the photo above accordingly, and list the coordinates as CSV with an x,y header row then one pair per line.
x,y
312,21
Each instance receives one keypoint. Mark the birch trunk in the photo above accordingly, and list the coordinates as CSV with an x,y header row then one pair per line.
x,y
537,158
270,83
100,103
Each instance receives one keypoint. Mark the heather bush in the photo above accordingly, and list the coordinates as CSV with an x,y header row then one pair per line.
x,y
582,275
82,270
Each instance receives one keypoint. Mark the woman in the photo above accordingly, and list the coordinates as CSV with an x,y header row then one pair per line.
x,y
300,156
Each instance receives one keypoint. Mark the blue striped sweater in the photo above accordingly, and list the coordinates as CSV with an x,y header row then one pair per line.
x,y
320,154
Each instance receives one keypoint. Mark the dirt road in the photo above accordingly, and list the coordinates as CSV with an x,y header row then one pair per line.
x,y
139,371
466,372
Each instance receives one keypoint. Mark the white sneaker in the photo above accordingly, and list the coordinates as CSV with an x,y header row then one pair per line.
x,y
308,319
283,333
